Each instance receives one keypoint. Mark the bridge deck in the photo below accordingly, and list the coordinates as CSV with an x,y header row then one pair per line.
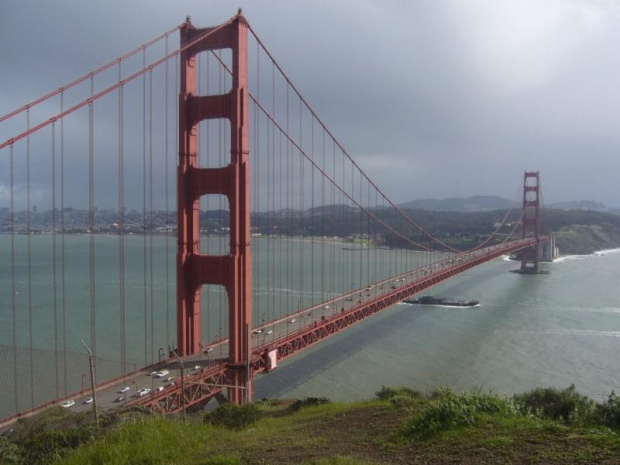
x,y
206,373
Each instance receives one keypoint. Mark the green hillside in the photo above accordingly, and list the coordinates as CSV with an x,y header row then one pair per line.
x,y
400,426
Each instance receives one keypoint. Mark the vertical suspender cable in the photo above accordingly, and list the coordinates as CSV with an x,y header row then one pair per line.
x,y
288,213
144,233
166,200
151,213
13,281
176,125
361,229
333,244
369,241
62,243
312,233
323,213
91,201
280,242
301,216
256,167
28,219
269,212
54,281
121,223
271,303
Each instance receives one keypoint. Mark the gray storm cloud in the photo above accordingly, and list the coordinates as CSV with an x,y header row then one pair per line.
x,y
430,96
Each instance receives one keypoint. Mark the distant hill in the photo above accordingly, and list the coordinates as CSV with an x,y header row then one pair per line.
x,y
580,205
477,203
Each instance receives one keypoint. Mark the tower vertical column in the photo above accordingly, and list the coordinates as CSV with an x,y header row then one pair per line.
x,y
233,271
531,221
188,208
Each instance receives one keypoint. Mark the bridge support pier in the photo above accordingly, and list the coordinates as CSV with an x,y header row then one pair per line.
x,y
194,269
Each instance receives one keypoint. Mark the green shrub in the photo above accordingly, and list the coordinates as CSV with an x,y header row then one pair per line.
x,y
308,402
49,446
9,452
608,413
402,402
566,405
234,416
386,393
448,410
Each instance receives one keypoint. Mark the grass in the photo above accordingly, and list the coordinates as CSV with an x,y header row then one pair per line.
x,y
439,427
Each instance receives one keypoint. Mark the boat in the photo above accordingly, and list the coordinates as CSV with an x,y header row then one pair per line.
x,y
430,300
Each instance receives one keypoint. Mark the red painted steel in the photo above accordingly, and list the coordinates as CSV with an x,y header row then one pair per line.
x,y
531,221
199,388
233,271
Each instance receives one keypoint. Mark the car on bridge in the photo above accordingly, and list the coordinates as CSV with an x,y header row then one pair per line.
x,y
68,404
123,389
143,392
162,374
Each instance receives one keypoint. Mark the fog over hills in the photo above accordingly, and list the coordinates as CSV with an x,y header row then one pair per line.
x,y
481,203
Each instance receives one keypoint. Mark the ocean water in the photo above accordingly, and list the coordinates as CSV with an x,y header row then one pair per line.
x,y
554,329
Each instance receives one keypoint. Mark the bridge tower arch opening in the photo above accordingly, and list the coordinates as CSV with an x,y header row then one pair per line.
x,y
531,221
195,269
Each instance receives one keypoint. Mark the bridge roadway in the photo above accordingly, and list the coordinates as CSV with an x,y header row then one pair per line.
x,y
206,373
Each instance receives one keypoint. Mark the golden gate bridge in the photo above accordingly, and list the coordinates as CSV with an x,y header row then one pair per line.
x,y
247,147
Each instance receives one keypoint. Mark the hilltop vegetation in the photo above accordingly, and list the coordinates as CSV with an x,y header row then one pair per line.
x,y
401,426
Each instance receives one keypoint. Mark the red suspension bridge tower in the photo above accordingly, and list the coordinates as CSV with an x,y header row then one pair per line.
x,y
531,221
194,269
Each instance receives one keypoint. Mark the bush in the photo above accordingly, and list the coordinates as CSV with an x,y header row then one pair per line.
x,y
608,413
308,402
9,452
566,404
386,393
51,445
402,402
448,410
234,416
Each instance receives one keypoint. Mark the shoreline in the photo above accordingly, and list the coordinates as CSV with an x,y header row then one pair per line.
x,y
596,253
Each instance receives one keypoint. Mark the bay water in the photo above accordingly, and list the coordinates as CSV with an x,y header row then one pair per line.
x,y
554,329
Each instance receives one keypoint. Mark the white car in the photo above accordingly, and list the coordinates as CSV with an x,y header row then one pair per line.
x,y
123,389
292,320
258,331
142,392
152,373
197,367
159,389
209,350
88,401
162,374
67,404
119,399
269,332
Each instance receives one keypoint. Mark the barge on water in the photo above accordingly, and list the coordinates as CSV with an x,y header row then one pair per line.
x,y
430,300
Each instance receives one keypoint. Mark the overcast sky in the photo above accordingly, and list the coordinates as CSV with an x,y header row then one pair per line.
x,y
433,98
